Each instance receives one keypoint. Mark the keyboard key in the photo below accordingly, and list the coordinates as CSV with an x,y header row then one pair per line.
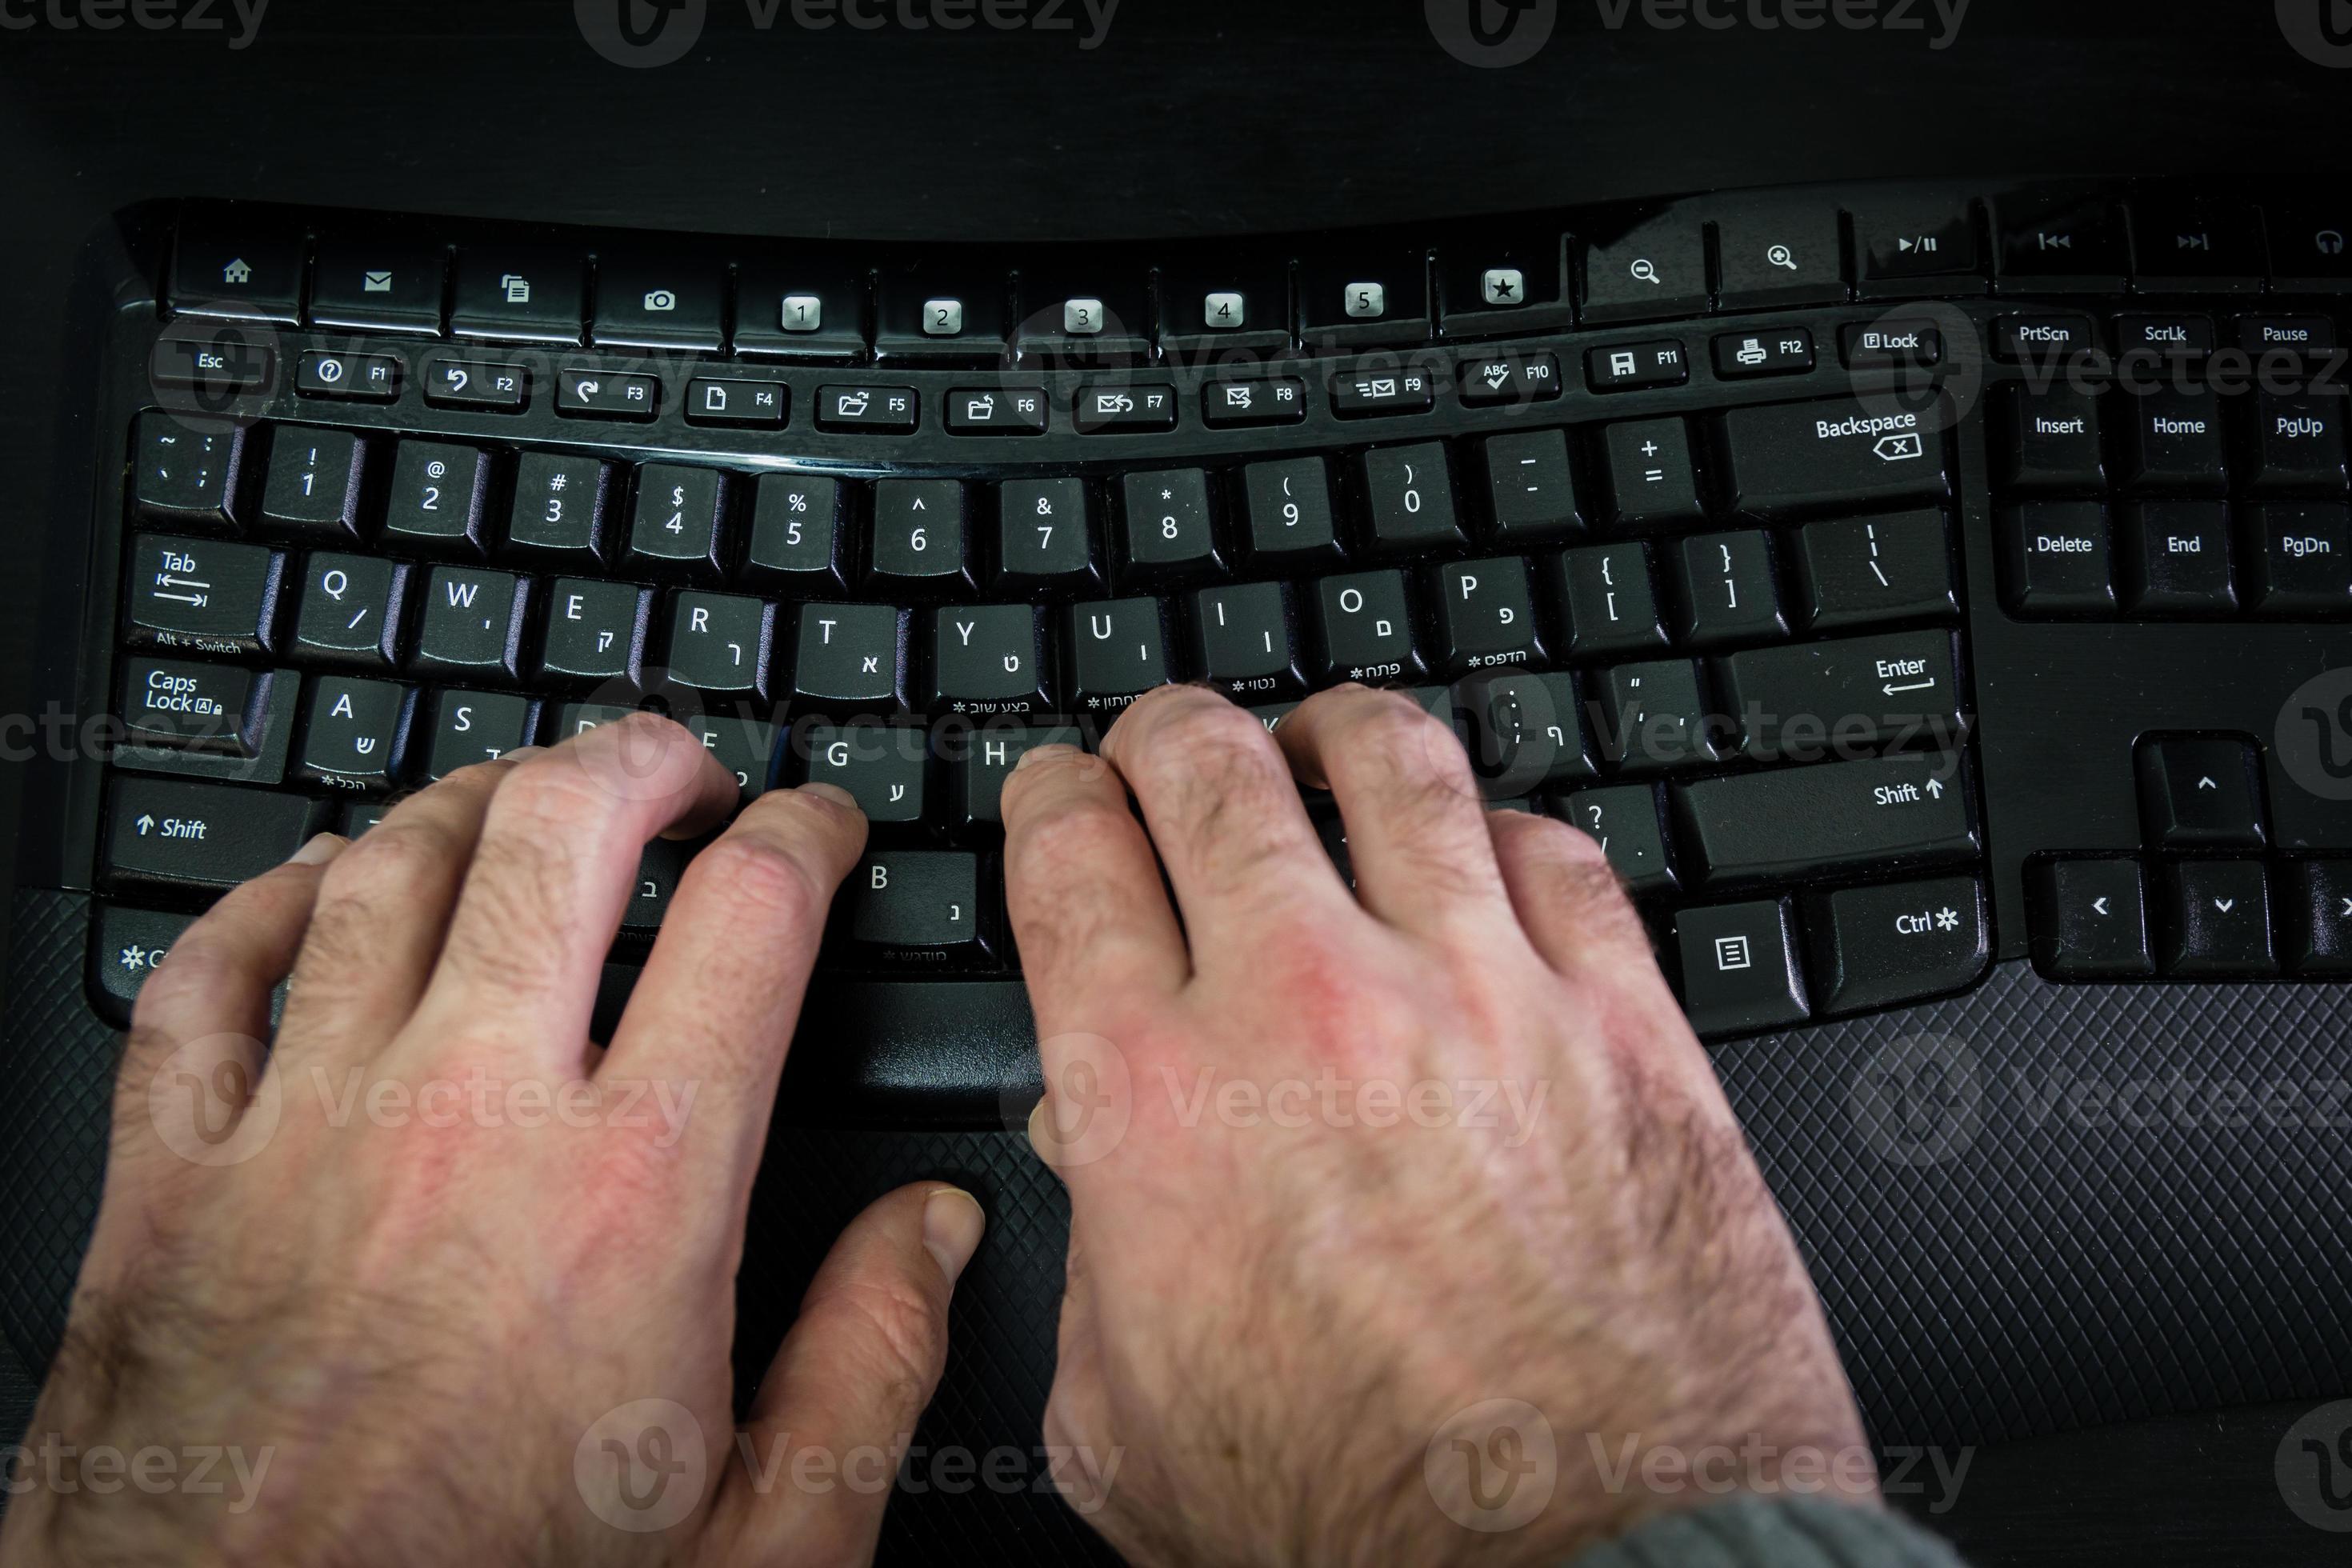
x,y
1485,616
879,410
1652,481
125,948
2290,339
1045,535
1781,253
1503,283
2298,559
745,747
1527,733
2172,440
984,759
1796,704
2058,241
796,535
230,264
1288,504
517,293
185,477
1378,295
471,727
166,833
2318,902
2174,558
314,483
1380,388
997,411
918,536
1785,351
1723,590
1623,820
1654,716
1891,346
435,505
371,378
1531,491
674,527
218,363
721,643
2295,445
353,733
2163,339
596,632
1241,641
2050,441
1164,527
657,301
2200,791
847,660
1610,607
607,395
916,906
1118,651
1876,947
350,612
2055,555
1119,408
378,284
2048,340
660,866
1364,629
2218,920
805,306
1492,380
1630,367
1815,821
196,593
1843,453
2196,247
193,706
1410,494
1739,968
2090,920
987,658
472,624
1914,250
1854,571
1655,270
455,382
739,404
558,516
1254,400
881,765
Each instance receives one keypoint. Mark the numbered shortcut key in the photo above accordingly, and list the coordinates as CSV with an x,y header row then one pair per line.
x,y
314,482
557,515
202,594
471,727
1045,535
349,614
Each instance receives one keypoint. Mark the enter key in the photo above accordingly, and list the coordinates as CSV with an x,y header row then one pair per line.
x,y
1814,702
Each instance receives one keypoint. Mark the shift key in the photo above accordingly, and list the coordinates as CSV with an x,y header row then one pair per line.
x,y
162,832
1838,816
1807,457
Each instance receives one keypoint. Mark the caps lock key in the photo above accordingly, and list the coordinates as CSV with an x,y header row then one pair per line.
x,y
1809,457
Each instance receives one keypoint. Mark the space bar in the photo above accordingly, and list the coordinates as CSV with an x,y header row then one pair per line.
x,y
1835,818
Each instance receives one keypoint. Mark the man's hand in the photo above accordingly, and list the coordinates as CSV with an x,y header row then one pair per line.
x,y
446,1279
1405,1225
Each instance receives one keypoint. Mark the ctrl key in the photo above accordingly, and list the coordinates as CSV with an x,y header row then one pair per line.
x,y
916,907
164,833
2090,920
124,950
1739,968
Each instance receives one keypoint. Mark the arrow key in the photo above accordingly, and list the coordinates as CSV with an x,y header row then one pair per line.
x,y
2199,792
2318,909
2090,920
2218,920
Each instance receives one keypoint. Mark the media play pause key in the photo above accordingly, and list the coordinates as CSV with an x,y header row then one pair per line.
x,y
1739,968
1912,252
761,405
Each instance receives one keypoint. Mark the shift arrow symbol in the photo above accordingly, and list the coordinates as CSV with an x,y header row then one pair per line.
x,y
1935,788
2206,782
144,824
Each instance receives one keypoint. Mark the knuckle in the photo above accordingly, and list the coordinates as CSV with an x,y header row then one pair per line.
x,y
901,1329
1192,722
1067,838
755,870
552,793
399,853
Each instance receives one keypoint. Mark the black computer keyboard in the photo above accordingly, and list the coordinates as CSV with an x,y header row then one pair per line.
x,y
1891,578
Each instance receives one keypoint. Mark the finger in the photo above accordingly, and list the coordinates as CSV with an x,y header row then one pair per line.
x,y
1417,835
1084,891
855,1374
383,912
203,1015
1224,813
720,992
1569,901
553,871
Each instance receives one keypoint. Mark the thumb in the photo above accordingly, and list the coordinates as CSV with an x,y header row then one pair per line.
x,y
840,1401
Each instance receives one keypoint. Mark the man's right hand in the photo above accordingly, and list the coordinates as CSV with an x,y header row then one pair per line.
x,y
1407,1225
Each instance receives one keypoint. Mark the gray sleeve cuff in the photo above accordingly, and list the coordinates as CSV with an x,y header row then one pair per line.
x,y
1775,1532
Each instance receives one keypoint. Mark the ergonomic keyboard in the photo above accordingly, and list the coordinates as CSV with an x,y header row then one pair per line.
x,y
1892,578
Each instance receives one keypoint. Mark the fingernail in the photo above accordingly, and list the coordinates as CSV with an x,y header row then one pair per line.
x,y
320,850
952,1222
520,753
1033,753
834,793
